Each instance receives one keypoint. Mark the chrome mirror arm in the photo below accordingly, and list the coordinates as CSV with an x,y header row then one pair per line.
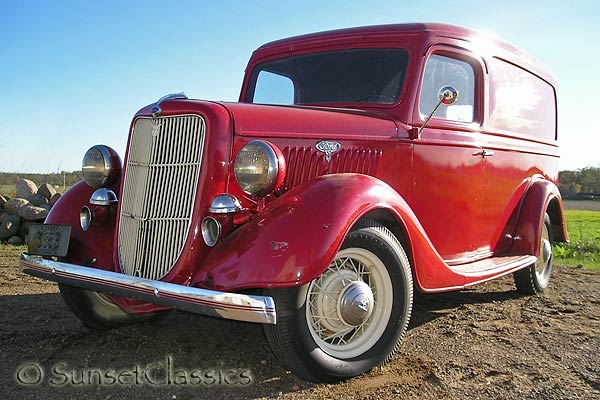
x,y
447,95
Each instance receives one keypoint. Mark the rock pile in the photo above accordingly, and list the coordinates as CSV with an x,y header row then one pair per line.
x,y
31,204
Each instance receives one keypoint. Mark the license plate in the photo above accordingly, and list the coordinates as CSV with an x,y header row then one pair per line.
x,y
49,240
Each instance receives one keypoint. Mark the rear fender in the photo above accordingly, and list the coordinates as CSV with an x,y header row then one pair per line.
x,y
296,238
541,197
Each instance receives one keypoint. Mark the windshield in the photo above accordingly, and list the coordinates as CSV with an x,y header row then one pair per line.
x,y
343,76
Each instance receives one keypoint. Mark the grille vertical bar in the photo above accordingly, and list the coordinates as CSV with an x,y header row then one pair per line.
x,y
161,178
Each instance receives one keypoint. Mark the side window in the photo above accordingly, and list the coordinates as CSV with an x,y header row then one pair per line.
x,y
273,89
439,72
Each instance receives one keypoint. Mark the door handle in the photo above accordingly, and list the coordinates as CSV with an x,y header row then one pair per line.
x,y
484,153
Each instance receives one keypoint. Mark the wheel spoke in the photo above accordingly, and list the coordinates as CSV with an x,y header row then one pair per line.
x,y
326,317
358,329
338,335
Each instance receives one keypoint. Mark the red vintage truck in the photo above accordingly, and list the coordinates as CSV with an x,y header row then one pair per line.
x,y
358,166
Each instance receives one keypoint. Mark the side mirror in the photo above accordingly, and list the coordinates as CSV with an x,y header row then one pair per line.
x,y
447,96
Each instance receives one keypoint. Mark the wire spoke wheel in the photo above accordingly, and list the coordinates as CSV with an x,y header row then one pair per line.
x,y
348,305
536,277
350,318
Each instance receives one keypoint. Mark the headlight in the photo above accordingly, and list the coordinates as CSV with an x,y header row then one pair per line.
x,y
101,166
259,168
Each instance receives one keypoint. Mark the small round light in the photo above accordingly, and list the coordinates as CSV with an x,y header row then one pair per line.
x,y
104,197
85,218
258,168
211,230
101,166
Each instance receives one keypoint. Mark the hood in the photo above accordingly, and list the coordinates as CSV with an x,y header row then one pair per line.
x,y
309,122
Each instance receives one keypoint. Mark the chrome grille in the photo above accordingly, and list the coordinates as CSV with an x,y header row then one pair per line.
x,y
305,163
160,184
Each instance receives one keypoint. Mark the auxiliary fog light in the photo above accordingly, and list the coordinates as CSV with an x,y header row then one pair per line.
x,y
211,230
85,218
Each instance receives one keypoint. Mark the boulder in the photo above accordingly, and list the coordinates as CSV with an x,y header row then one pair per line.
x,y
33,213
9,225
13,205
23,230
54,199
46,190
25,188
3,201
15,240
37,199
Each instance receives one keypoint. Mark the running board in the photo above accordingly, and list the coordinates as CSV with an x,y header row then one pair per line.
x,y
490,268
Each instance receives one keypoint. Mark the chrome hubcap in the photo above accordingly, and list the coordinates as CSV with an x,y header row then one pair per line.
x,y
546,251
543,264
356,303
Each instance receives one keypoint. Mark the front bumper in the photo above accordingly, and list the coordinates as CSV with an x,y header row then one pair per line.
x,y
235,306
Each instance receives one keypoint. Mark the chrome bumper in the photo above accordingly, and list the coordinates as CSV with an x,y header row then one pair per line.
x,y
235,306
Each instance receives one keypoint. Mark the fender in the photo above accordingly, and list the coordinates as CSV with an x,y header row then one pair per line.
x,y
93,247
296,238
97,241
542,196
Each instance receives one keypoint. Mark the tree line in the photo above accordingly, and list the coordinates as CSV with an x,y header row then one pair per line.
x,y
59,179
581,184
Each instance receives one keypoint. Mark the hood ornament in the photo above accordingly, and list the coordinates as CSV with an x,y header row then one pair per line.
x,y
156,110
328,147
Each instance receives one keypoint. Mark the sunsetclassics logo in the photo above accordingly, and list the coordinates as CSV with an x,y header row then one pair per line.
x,y
160,373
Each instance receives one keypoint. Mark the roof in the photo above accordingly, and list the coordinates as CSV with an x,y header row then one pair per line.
x,y
428,29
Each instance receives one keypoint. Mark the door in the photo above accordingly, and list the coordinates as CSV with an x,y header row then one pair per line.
x,y
447,192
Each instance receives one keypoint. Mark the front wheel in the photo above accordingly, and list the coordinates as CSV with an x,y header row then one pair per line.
x,y
352,317
96,311
536,278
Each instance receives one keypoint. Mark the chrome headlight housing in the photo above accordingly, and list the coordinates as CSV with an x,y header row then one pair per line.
x,y
259,168
101,166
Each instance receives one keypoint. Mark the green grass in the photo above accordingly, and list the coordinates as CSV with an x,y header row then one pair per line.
x,y
7,190
9,255
584,232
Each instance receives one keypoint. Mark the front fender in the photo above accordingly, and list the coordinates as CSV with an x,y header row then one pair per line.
x,y
297,237
95,243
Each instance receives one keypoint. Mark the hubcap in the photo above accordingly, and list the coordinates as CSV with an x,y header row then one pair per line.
x,y
546,251
356,303
543,265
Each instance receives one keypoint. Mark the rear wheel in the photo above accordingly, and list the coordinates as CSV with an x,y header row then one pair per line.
x,y
536,278
97,311
352,317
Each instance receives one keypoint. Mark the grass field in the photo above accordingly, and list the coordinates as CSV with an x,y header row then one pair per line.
x,y
584,232
7,190
9,255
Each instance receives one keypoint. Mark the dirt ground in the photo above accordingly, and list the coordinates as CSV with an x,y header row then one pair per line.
x,y
488,342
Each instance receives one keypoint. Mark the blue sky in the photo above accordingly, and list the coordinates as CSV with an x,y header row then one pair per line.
x,y
73,73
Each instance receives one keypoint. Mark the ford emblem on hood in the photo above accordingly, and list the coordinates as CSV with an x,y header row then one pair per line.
x,y
328,147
